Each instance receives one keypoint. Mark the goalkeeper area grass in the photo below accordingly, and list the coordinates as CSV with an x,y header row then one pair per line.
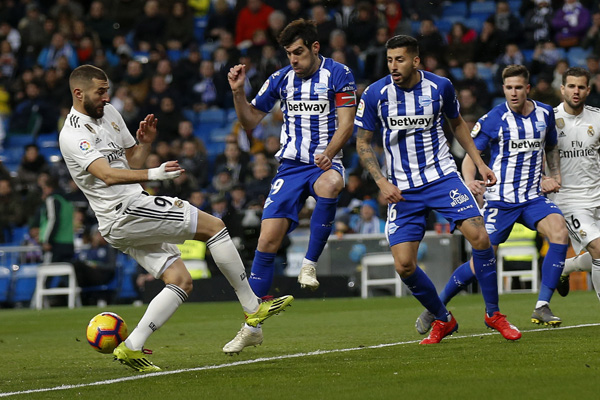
x,y
318,349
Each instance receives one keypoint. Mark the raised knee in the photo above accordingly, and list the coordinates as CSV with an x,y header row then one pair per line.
x,y
405,269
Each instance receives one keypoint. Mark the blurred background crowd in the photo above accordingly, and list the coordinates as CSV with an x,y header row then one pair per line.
x,y
171,57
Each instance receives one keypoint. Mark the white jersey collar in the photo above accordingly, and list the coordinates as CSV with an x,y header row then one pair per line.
x,y
85,117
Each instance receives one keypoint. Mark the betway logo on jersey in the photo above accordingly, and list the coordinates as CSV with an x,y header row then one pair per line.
x,y
410,122
307,107
525,145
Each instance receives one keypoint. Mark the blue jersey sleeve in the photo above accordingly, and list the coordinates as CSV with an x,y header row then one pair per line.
x,y
268,94
483,132
366,113
551,135
451,108
343,82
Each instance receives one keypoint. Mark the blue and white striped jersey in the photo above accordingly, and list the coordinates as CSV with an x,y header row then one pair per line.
x,y
309,107
516,145
411,122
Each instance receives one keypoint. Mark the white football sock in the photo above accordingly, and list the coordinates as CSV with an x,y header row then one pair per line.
x,y
582,262
229,262
158,312
540,303
596,276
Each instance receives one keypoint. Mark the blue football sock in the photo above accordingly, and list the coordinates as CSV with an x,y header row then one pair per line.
x,y
423,289
484,262
261,276
552,267
321,225
460,279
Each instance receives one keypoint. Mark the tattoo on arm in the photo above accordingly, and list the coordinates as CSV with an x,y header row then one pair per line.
x,y
366,153
553,160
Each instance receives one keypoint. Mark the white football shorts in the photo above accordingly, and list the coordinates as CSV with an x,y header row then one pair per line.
x,y
148,227
583,225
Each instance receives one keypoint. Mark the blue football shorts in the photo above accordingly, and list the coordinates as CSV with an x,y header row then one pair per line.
x,y
448,195
290,188
500,217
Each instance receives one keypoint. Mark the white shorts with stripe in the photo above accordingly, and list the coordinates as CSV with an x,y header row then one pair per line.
x,y
148,227
583,224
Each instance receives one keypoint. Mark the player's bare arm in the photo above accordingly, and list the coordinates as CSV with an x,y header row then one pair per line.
x,y
553,161
462,134
146,134
248,116
469,171
345,117
391,193
102,170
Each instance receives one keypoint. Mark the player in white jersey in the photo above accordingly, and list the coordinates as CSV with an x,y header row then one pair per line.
x,y
107,165
318,101
409,107
578,129
517,132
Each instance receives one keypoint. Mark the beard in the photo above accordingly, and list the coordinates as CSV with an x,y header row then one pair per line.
x,y
91,109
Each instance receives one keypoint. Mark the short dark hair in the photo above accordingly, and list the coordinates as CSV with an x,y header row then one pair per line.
x,y
299,29
576,72
84,74
515,70
411,44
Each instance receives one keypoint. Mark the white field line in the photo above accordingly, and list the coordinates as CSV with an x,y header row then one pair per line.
x,y
262,359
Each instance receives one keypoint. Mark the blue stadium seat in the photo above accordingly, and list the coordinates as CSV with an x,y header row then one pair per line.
x,y
199,27
18,140
485,72
455,9
190,115
475,23
11,155
514,5
212,115
498,100
24,283
482,8
527,54
457,73
174,55
577,56
17,234
219,134
443,26
5,277
231,115
50,153
415,26
47,139
128,271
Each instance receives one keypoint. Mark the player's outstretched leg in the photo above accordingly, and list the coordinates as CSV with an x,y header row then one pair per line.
x,y
251,332
543,316
460,279
582,262
135,359
552,268
308,275
247,336
424,321
321,225
440,329
499,322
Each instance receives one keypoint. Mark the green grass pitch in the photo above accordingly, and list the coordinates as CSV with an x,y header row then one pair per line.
x,y
318,349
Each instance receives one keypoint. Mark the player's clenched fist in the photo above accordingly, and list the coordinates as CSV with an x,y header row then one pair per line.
x,y
237,76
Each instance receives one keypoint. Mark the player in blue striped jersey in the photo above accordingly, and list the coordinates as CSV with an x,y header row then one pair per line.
x,y
318,101
408,107
517,133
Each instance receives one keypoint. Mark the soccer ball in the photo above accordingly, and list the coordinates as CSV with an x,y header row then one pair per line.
x,y
105,331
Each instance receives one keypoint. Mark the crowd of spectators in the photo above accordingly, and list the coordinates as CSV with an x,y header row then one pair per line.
x,y
170,58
